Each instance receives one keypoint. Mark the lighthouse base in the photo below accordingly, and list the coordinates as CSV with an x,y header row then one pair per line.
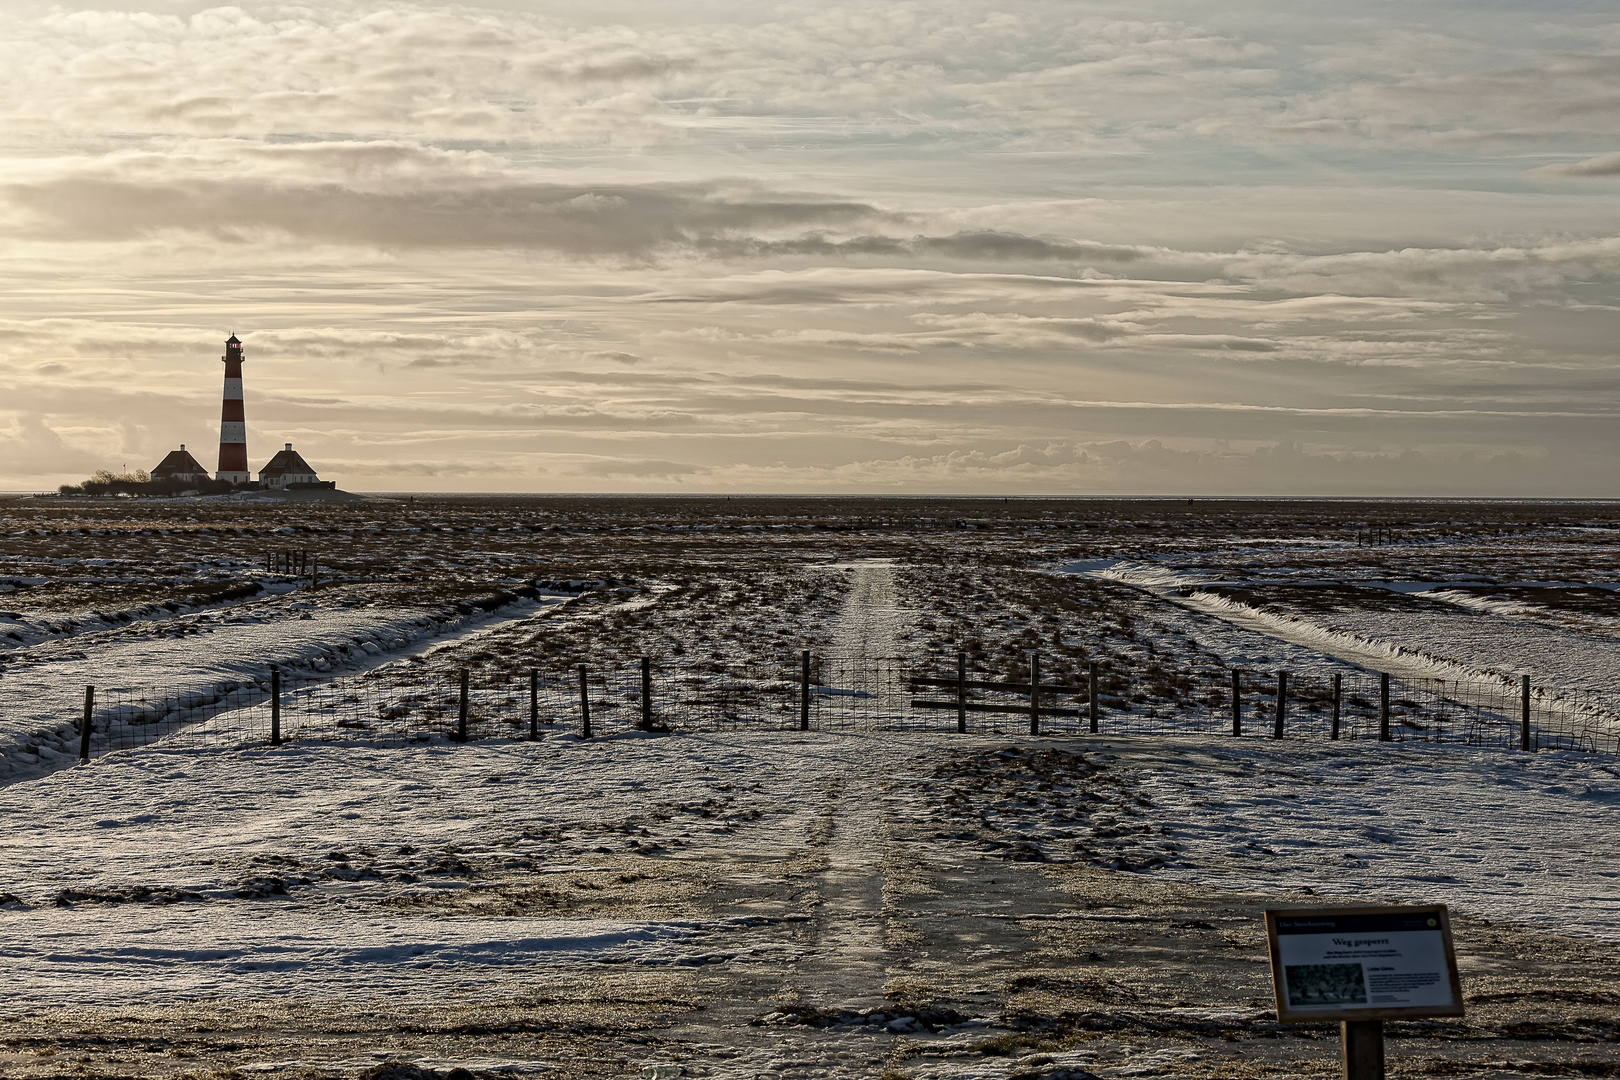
x,y
233,477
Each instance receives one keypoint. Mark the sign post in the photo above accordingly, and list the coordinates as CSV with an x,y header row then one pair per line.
x,y
1362,966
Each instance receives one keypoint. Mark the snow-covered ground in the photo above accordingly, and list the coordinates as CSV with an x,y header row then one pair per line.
x,y
1422,629
159,874
1521,838
865,640
200,658
354,873
873,620
1432,630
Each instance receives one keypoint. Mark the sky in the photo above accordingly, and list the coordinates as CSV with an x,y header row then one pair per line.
x,y
1042,247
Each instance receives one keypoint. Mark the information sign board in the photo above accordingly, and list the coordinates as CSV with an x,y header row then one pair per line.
x,y
1372,963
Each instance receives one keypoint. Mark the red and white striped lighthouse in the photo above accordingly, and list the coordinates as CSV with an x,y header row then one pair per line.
x,y
233,459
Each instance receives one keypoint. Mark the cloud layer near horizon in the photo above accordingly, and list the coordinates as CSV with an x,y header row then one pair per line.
x,y
977,247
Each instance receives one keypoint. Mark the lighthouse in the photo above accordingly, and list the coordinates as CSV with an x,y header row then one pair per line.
x,y
233,459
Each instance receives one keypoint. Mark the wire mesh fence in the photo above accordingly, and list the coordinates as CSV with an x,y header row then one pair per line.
x,y
406,704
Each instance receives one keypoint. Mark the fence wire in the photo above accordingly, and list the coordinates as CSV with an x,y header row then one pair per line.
x,y
405,704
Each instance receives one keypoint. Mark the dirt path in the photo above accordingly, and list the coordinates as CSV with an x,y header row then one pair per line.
x,y
873,621
847,966
869,643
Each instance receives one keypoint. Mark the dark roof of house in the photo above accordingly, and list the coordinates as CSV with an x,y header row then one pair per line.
x,y
178,462
286,461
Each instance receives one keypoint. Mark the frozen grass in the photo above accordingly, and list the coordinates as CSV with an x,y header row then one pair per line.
x,y
162,874
1523,839
717,587
926,903
348,871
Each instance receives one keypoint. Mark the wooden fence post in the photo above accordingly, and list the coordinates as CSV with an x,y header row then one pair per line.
x,y
275,706
584,705
1093,702
1237,702
84,723
961,693
1034,692
1282,705
1338,694
534,705
1383,707
646,693
1524,712
1362,1047
804,690
461,713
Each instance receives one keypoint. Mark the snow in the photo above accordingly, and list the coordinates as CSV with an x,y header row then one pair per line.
x,y
865,639
1434,632
201,659
872,622
186,951
166,863
1522,838
185,869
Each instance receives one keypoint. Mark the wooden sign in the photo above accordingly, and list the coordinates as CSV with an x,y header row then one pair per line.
x,y
1367,963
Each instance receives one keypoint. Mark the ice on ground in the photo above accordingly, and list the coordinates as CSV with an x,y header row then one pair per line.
x,y
199,820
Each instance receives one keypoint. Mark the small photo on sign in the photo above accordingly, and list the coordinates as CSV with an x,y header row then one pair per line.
x,y
1325,984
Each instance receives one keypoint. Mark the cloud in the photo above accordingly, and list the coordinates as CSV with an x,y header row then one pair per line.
x,y
715,220
461,72
1012,330
578,221
33,450
1462,274
640,468
949,243
1038,78
462,470
1153,467
981,246
444,71
855,286
1602,165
